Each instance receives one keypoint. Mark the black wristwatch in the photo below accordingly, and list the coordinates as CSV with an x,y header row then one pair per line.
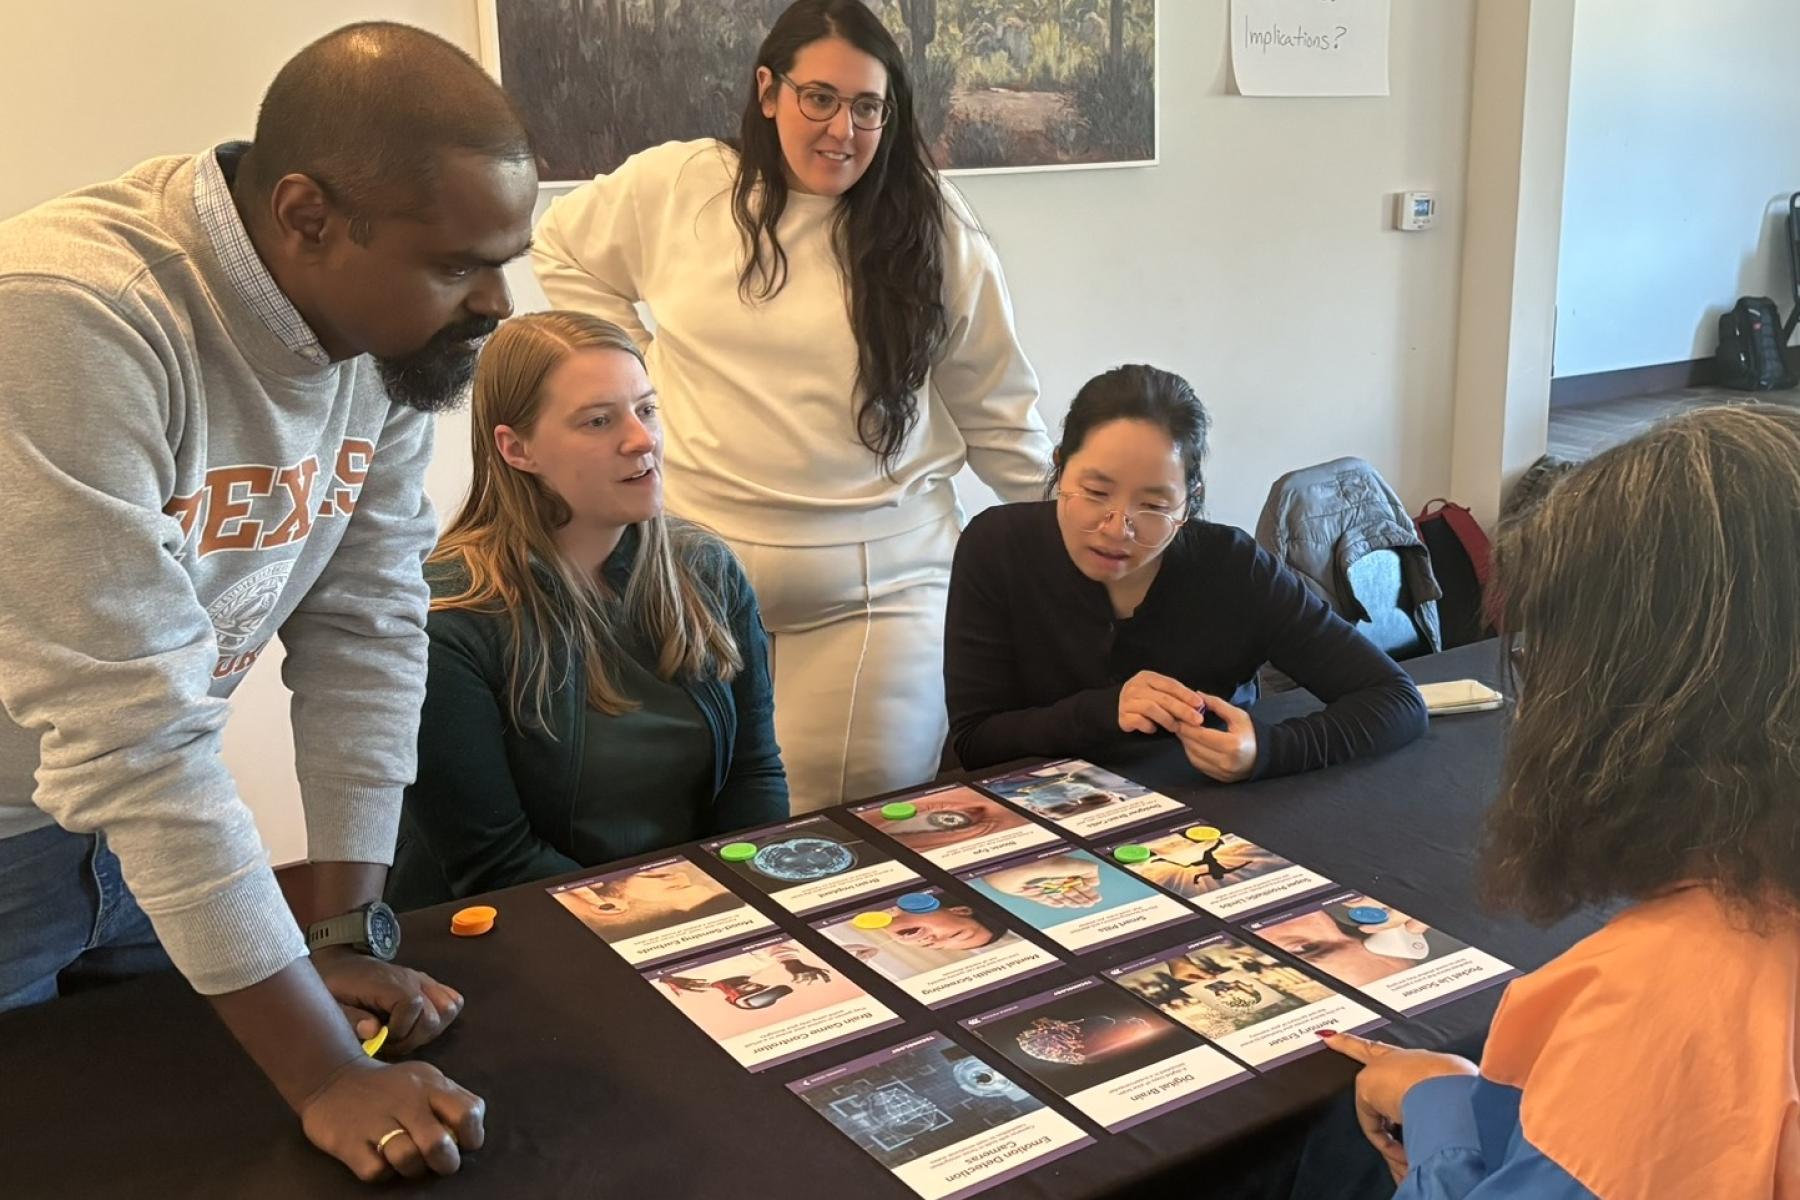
x,y
372,929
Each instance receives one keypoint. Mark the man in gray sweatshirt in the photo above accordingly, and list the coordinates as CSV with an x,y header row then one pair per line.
x,y
216,380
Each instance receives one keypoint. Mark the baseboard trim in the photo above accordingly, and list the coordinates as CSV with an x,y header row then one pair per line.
x,y
1572,390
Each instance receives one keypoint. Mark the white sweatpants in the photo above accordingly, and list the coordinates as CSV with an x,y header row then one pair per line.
x,y
856,643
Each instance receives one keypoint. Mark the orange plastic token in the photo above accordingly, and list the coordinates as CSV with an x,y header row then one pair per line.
x,y
473,921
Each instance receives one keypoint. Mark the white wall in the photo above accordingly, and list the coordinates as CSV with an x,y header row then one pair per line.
x,y
1683,149
1256,260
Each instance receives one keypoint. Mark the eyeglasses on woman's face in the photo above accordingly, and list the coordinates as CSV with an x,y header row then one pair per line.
x,y
820,103
1149,527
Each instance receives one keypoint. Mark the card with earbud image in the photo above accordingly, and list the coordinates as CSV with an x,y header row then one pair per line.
x,y
1387,955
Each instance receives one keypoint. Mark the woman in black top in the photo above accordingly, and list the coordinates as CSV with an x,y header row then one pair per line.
x,y
1111,611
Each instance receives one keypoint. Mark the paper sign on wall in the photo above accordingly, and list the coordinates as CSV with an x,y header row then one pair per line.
x,y
1310,47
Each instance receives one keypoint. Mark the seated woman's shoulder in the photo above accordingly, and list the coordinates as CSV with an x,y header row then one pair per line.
x,y
705,556
446,577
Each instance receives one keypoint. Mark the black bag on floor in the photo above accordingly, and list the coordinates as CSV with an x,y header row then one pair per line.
x,y
1750,354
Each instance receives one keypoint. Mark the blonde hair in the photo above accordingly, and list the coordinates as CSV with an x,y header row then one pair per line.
x,y
504,540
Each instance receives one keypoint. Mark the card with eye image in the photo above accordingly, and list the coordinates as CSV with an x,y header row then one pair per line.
x,y
1108,1053
1074,899
935,949
955,827
810,864
1082,798
659,910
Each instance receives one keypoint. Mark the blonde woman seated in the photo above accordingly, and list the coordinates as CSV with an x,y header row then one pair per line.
x,y
599,678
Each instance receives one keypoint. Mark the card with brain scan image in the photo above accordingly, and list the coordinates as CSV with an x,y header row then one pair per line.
x,y
1110,1055
810,864
944,1122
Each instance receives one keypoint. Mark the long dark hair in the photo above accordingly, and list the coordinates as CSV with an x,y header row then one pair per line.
x,y
1657,736
889,229
1141,393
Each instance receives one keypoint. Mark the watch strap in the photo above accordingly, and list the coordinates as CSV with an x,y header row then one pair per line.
x,y
345,929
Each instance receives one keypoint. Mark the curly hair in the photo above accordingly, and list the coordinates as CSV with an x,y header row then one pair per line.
x,y
1657,735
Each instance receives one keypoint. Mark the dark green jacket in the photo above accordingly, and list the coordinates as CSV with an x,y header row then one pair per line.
x,y
496,805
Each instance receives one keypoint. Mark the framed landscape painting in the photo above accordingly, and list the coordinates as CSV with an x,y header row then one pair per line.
x,y
1002,85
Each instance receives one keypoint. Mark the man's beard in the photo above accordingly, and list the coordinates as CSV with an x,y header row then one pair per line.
x,y
435,378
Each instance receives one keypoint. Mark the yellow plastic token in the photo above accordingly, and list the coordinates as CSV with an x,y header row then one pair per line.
x,y
872,920
1203,833
372,1047
473,921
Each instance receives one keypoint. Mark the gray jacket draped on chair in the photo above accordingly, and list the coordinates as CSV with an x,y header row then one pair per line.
x,y
1322,520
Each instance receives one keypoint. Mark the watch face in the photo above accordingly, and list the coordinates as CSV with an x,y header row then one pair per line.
x,y
383,931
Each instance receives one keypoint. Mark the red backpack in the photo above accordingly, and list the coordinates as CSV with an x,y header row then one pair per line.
x,y
1462,559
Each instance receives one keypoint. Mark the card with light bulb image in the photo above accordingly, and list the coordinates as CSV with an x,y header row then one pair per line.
x,y
1387,955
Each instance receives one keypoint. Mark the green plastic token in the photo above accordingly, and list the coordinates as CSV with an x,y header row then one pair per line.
x,y
899,810
1132,853
737,851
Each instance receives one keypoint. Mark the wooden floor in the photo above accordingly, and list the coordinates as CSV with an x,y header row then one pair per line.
x,y
1580,432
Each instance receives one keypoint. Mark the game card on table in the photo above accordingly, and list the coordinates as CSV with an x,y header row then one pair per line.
x,y
1074,899
1082,798
935,949
955,827
1257,1007
1116,1059
658,911
943,1121
810,864
1388,956
1220,872
770,1001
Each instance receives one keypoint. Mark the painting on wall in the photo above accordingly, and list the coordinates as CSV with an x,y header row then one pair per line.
x,y
1002,85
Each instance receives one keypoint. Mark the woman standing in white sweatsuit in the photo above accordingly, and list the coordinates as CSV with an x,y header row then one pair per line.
x,y
833,341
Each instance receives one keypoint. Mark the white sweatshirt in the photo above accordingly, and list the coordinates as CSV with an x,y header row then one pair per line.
x,y
759,398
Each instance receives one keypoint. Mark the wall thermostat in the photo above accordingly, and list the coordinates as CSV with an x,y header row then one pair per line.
x,y
1414,210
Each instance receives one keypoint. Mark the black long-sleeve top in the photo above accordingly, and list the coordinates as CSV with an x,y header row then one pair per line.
x,y
1034,658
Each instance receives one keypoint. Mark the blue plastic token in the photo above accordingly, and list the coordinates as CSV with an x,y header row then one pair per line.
x,y
917,902
737,851
1368,914
899,810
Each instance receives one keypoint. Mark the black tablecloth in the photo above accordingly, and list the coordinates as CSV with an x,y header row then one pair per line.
x,y
597,1086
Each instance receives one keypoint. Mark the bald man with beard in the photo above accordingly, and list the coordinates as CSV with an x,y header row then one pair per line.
x,y
217,375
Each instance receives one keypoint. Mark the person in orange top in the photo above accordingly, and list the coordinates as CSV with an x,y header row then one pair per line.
x,y
1655,759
